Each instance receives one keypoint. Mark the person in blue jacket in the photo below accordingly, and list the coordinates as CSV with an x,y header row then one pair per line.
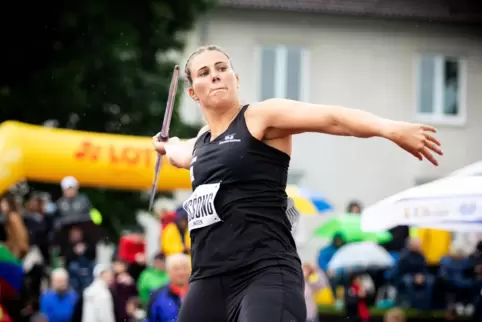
x,y
327,252
325,256
165,303
58,302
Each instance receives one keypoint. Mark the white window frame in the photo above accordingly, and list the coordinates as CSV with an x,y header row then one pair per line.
x,y
437,117
281,71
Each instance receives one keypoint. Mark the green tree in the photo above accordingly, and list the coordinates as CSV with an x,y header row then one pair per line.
x,y
95,65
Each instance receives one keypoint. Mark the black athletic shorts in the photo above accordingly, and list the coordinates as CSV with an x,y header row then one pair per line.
x,y
260,294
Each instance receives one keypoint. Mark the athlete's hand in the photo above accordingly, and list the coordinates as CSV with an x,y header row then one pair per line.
x,y
159,146
417,139
173,150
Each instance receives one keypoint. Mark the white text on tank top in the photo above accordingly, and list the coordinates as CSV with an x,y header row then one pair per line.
x,y
200,206
191,170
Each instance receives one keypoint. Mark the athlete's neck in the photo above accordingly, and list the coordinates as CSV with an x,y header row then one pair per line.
x,y
220,119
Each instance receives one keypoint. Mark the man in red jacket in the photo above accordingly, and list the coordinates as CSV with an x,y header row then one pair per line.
x,y
356,308
131,245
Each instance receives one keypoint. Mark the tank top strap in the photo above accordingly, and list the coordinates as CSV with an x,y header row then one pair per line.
x,y
242,111
239,123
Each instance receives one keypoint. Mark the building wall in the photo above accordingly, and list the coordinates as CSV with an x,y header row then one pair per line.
x,y
360,63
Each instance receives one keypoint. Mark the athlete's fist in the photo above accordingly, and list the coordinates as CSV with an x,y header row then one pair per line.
x,y
159,146
174,150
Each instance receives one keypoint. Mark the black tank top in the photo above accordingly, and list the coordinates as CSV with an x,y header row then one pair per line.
x,y
250,202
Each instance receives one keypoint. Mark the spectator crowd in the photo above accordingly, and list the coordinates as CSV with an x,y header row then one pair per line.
x,y
57,244
430,273
57,247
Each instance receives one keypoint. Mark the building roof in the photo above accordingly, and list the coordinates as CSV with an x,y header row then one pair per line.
x,y
455,11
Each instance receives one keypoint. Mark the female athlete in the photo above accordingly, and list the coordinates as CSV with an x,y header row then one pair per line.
x,y
245,264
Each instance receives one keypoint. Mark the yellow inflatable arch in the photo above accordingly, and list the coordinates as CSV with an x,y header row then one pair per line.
x,y
37,153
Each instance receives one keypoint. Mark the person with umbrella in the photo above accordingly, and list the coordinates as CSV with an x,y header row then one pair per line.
x,y
415,284
75,212
79,259
325,256
354,207
356,308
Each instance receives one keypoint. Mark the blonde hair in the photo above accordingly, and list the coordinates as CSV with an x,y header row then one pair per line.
x,y
177,259
187,71
59,272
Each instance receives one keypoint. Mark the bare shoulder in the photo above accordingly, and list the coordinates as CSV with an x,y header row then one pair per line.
x,y
257,109
258,112
254,120
258,117
264,111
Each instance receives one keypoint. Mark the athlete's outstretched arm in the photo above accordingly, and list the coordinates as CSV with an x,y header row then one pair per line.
x,y
299,117
179,153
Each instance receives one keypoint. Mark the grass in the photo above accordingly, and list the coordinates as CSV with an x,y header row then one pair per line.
x,y
410,313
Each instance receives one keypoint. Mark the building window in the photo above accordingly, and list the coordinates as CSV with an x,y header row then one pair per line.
x,y
284,72
440,97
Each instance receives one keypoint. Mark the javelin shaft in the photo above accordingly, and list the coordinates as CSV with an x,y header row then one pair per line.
x,y
169,106
164,135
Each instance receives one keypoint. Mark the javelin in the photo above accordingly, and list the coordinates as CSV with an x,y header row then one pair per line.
x,y
164,135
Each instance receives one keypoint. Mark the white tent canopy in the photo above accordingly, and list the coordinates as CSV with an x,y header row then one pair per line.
x,y
475,169
452,203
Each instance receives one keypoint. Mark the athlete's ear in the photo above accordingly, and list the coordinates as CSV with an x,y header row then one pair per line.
x,y
192,94
237,81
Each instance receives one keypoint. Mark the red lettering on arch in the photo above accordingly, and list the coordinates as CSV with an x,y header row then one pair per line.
x,y
147,155
114,156
131,156
87,151
125,155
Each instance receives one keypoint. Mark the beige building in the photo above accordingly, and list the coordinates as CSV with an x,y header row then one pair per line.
x,y
405,60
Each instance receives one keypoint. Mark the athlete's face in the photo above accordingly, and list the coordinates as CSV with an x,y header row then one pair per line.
x,y
214,83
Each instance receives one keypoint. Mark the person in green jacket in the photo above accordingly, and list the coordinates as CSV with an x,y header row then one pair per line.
x,y
152,278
